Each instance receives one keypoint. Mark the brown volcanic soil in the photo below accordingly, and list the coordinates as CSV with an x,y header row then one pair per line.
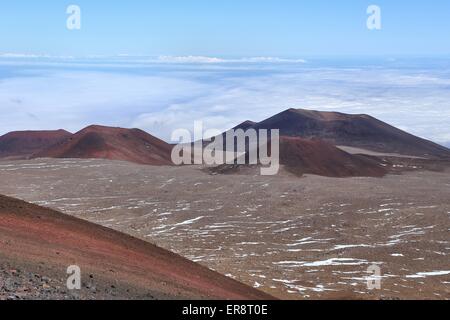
x,y
38,244
23,144
131,145
303,156
360,131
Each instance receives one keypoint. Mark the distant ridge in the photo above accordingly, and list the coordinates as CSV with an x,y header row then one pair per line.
x,y
341,130
102,142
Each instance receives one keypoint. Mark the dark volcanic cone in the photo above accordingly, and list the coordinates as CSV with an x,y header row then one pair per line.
x,y
360,131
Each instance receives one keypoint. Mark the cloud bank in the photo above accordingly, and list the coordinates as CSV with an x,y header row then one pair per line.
x,y
173,94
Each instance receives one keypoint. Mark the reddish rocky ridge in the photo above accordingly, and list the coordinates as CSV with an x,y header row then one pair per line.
x,y
101,142
23,144
34,237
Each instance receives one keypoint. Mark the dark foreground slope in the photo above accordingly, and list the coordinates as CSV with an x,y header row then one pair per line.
x,y
131,145
38,244
23,144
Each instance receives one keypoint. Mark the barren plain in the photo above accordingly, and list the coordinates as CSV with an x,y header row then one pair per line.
x,y
294,238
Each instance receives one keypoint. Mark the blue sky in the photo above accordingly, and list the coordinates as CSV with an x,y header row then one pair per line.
x,y
298,28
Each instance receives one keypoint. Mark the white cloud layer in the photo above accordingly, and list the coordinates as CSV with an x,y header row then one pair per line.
x,y
171,95
201,59
149,59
